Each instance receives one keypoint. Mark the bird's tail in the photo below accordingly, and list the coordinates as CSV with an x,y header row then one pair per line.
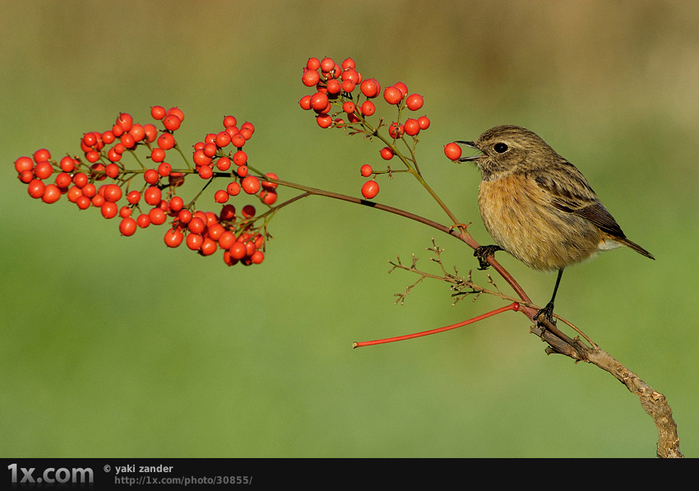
x,y
636,248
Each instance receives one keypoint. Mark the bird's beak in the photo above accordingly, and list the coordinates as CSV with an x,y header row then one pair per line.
x,y
474,157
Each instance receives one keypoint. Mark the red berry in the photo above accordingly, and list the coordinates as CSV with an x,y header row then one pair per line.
x,y
247,129
25,163
366,170
36,188
196,225
138,132
370,88
305,102
152,195
240,158
233,189
151,176
174,237
251,184
208,247
223,139
368,108
194,241
270,185
177,112
63,180
349,107
226,240
216,230
257,257
157,216
80,179
424,122
83,202
248,211
414,102
166,141
238,140
158,112
324,120
386,153
395,130
157,155
223,164
392,95
269,197
127,227
452,151
229,121
238,250
319,102
171,122
26,176
112,193
108,137
210,149
334,86
348,85
151,132
74,193
89,139
113,155
41,155
227,213
109,210
43,170
176,204
221,196
327,64
133,197
402,87
411,127
112,170
125,121
184,216
92,156
201,159
313,64
348,64
89,190
143,220
164,169
370,189
310,78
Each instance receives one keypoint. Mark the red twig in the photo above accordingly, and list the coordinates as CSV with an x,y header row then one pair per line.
x,y
513,306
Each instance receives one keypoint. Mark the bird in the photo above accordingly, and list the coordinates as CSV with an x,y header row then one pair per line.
x,y
539,207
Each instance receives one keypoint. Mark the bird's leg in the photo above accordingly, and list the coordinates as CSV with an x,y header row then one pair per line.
x,y
547,311
482,253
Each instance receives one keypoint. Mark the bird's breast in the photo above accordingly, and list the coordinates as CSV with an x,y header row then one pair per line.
x,y
521,218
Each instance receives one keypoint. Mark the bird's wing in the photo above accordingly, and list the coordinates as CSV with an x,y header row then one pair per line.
x,y
569,191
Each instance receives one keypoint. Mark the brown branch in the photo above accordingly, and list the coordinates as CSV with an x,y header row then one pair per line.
x,y
652,402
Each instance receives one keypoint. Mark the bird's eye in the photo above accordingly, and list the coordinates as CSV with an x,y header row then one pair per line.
x,y
500,147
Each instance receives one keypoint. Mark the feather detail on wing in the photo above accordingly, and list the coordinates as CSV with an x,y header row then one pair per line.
x,y
569,191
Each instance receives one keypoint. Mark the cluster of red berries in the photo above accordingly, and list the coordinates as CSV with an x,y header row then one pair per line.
x,y
335,85
204,232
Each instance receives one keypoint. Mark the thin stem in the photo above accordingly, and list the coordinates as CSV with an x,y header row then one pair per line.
x,y
513,306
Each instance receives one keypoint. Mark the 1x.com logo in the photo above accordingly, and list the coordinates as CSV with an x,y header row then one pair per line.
x,y
50,475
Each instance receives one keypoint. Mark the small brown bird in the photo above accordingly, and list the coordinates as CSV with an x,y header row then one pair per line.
x,y
538,206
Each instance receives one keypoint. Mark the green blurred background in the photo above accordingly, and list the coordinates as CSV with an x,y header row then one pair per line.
x,y
120,347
